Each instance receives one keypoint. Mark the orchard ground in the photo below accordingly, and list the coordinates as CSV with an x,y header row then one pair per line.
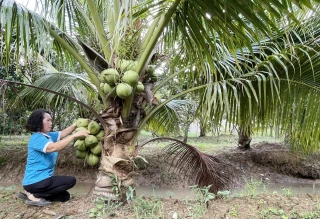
x,y
269,182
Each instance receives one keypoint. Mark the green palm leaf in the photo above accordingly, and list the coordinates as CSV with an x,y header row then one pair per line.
x,y
165,121
73,85
272,94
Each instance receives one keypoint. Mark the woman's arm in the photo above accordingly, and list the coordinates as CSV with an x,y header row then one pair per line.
x,y
59,145
67,131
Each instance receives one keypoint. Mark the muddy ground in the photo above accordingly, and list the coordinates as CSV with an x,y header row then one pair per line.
x,y
266,163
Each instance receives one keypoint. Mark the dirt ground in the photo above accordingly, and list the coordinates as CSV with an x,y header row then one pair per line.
x,y
266,163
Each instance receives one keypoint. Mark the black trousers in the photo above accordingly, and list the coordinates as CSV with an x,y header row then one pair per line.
x,y
53,188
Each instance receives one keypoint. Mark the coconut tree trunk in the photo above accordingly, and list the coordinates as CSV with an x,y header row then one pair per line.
x,y
202,130
244,140
186,131
116,166
3,112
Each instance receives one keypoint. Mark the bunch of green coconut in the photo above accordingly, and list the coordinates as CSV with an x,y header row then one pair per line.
x,y
89,148
122,86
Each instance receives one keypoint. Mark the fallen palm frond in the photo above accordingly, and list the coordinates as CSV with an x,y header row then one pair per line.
x,y
200,168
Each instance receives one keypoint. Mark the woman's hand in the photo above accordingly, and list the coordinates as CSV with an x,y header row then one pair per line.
x,y
67,131
81,133
59,145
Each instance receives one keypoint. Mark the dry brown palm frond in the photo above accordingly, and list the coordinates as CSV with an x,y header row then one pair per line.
x,y
200,168
95,59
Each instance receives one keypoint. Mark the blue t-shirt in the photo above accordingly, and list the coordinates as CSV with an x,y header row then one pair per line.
x,y
40,164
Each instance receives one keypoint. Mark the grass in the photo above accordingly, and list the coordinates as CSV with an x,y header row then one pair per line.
x,y
14,140
253,186
154,207
208,144
140,207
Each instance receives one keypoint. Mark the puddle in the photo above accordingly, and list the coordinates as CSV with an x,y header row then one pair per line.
x,y
174,193
186,193
84,189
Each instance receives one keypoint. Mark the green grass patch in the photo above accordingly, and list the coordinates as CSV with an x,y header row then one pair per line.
x,y
14,141
207,144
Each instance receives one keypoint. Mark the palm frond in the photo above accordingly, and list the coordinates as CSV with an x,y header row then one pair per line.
x,y
90,109
201,27
95,59
165,121
72,84
203,169
269,92
199,168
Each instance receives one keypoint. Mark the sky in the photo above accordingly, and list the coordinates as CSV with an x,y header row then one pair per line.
x,y
30,4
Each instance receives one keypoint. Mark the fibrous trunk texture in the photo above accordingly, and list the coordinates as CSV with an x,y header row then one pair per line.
x,y
202,130
244,137
116,166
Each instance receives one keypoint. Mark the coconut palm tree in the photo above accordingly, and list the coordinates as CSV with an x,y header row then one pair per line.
x,y
300,46
117,44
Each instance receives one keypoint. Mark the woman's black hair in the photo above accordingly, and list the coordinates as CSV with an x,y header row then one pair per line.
x,y
35,121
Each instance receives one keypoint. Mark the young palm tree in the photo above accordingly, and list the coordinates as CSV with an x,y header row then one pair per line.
x,y
125,35
289,60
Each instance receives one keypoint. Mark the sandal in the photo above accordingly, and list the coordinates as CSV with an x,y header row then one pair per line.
x,y
22,196
41,202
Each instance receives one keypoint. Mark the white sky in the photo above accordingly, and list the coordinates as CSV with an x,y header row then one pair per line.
x,y
30,4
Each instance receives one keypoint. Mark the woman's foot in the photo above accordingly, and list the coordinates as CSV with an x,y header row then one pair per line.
x,y
31,197
41,202
31,200
22,196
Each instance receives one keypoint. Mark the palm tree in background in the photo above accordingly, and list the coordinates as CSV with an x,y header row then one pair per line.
x,y
288,59
90,36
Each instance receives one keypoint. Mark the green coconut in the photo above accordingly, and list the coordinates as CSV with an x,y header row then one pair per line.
x,y
126,65
158,97
109,90
79,145
90,141
123,90
81,122
96,149
140,87
110,75
81,154
100,135
92,159
101,87
150,69
94,127
130,77
153,78
78,129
